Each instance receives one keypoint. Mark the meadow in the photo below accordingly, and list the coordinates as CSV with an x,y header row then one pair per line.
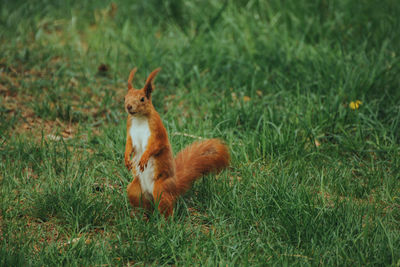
x,y
306,94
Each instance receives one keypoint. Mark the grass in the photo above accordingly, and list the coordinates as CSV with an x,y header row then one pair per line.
x,y
312,181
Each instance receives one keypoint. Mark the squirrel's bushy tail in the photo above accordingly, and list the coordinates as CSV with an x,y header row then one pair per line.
x,y
197,159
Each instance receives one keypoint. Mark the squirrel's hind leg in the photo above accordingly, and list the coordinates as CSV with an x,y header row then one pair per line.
x,y
163,199
136,196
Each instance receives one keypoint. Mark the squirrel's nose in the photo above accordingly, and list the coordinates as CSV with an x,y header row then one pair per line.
x,y
129,107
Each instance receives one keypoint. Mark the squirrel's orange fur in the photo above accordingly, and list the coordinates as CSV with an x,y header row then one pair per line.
x,y
171,177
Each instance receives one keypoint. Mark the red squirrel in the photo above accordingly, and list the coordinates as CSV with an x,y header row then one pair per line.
x,y
157,175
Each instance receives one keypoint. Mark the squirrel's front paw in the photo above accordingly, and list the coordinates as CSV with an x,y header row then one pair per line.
x,y
143,162
128,164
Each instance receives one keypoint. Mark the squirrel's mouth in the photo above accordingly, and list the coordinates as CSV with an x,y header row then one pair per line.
x,y
132,112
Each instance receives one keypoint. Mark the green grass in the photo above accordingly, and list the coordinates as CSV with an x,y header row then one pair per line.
x,y
311,182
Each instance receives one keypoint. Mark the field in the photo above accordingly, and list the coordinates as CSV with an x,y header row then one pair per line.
x,y
306,94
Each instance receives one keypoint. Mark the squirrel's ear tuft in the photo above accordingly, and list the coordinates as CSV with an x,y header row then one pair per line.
x,y
148,87
131,78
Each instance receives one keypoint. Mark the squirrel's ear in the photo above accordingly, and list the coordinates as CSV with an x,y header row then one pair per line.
x,y
131,78
148,87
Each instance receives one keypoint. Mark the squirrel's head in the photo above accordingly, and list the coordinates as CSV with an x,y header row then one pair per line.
x,y
138,101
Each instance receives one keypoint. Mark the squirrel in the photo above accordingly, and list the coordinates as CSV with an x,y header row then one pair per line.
x,y
158,176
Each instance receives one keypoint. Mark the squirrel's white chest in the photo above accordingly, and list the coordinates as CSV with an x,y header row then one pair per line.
x,y
140,134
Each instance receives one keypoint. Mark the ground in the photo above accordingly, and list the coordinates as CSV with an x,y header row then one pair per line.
x,y
305,94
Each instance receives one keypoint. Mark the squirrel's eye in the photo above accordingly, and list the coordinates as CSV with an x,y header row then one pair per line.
x,y
142,99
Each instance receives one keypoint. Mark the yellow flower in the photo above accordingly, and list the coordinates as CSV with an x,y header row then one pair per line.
x,y
355,104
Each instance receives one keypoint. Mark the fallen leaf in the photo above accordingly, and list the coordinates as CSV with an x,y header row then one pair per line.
x,y
355,104
234,97
103,68
246,98
57,138
317,143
